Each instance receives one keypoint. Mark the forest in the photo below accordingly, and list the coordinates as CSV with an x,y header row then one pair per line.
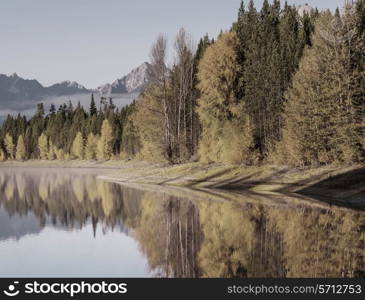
x,y
277,87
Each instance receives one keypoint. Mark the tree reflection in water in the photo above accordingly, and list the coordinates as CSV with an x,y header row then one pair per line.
x,y
189,237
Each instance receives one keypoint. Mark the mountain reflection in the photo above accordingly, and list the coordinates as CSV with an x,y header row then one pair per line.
x,y
187,237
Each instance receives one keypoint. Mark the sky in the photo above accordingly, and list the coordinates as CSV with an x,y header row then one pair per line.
x,y
97,41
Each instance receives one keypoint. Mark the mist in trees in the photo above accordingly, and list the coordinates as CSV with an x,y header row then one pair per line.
x,y
68,133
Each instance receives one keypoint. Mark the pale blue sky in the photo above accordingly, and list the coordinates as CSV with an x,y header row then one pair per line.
x,y
97,41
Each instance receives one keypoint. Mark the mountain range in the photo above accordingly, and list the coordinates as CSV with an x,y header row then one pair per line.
x,y
134,82
18,94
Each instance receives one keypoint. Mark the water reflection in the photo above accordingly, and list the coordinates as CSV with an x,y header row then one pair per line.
x,y
177,236
61,198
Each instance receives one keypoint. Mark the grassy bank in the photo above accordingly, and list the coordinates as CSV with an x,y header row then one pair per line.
x,y
342,185
346,183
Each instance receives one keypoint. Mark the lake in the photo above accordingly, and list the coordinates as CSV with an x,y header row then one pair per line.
x,y
67,223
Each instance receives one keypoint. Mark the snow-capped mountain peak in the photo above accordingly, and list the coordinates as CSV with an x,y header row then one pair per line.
x,y
134,82
73,84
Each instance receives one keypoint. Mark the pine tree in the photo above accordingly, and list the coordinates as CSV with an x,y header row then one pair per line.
x,y
78,146
358,67
93,109
52,109
269,49
40,110
9,146
43,146
20,149
61,128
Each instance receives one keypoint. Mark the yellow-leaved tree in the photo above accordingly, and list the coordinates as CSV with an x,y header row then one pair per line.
x,y
105,143
149,122
52,151
226,131
323,114
43,146
91,146
20,149
9,146
2,155
78,146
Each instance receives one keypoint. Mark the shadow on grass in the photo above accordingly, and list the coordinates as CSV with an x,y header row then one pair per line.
x,y
247,182
346,189
209,178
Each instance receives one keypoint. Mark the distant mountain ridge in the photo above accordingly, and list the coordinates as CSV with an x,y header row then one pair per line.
x,y
67,88
14,88
134,82
16,91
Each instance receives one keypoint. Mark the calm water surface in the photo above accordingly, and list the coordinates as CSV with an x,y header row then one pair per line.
x,y
67,223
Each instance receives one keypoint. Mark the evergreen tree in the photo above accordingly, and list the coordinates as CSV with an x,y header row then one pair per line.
x,y
269,50
131,144
40,110
358,67
196,126
52,109
61,128
93,109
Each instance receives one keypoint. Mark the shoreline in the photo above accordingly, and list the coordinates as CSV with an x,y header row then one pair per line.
x,y
345,184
